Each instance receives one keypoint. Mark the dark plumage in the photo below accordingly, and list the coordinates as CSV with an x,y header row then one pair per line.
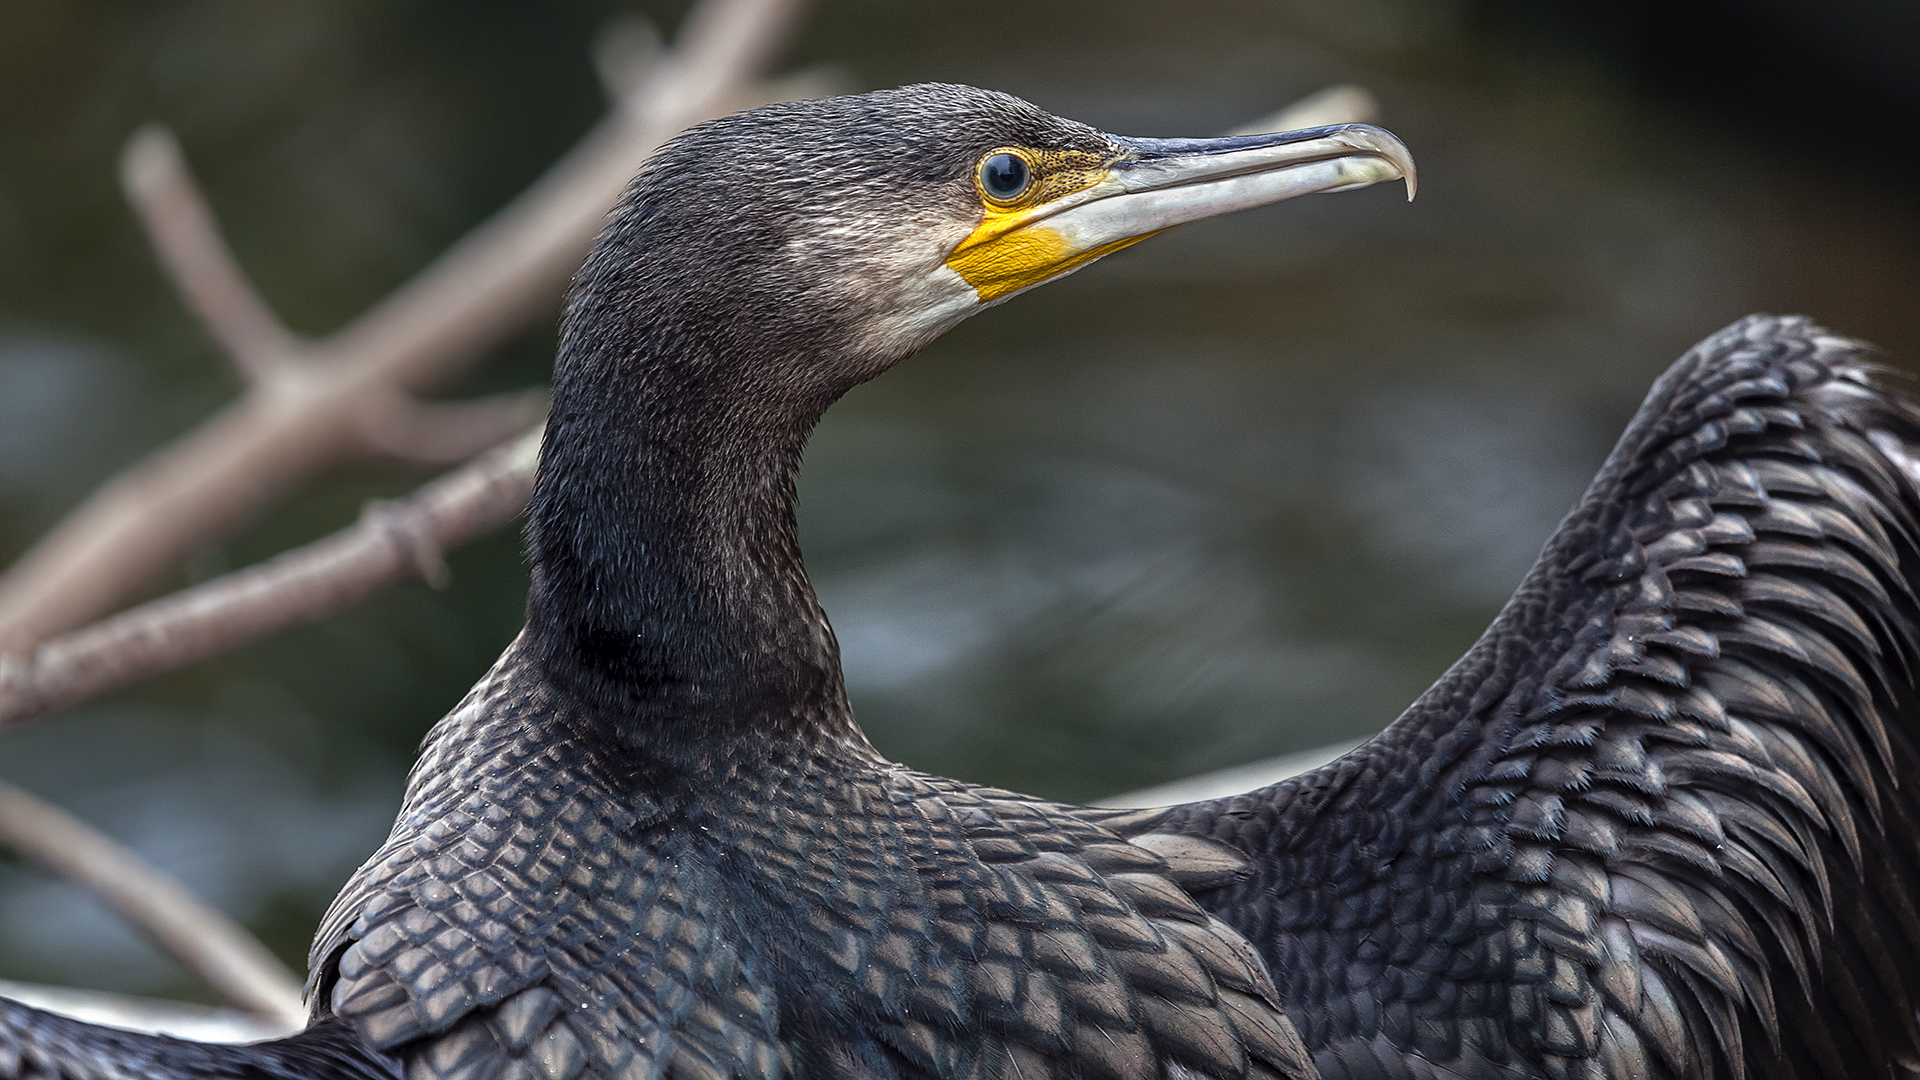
x,y
1660,821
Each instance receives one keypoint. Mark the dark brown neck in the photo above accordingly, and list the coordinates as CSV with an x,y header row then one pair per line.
x,y
668,592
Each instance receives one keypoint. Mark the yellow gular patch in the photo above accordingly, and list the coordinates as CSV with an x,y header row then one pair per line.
x,y
1010,250
1011,258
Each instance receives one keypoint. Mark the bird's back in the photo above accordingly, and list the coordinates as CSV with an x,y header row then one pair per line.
x,y
548,902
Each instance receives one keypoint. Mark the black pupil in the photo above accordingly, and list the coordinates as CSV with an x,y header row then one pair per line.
x,y
1004,175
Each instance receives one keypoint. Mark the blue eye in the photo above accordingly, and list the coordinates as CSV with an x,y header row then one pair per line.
x,y
1005,176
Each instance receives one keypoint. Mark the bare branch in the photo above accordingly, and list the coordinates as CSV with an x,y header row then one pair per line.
x,y
183,233
1344,104
448,432
235,965
143,522
624,51
392,542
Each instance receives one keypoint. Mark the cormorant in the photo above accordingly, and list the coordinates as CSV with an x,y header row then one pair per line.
x,y
1659,821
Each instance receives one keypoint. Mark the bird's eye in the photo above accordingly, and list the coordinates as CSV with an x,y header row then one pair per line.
x,y
1004,176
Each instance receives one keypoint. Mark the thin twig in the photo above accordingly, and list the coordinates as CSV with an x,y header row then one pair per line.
x,y
154,175
392,542
142,523
235,965
1342,104
444,433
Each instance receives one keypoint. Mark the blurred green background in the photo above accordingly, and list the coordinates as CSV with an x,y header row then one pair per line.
x,y
1242,490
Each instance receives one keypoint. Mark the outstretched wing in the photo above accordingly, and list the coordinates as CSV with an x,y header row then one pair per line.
x,y
1663,820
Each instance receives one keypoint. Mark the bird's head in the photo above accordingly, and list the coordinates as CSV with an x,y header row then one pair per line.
x,y
854,230
758,268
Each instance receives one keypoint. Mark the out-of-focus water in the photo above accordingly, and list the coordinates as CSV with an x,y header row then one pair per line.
x,y
1244,489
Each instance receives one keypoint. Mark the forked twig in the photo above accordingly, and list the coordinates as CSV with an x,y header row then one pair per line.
x,y
179,224
392,542
302,410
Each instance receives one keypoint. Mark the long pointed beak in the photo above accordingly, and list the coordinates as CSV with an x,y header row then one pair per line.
x,y
1177,180
1158,183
